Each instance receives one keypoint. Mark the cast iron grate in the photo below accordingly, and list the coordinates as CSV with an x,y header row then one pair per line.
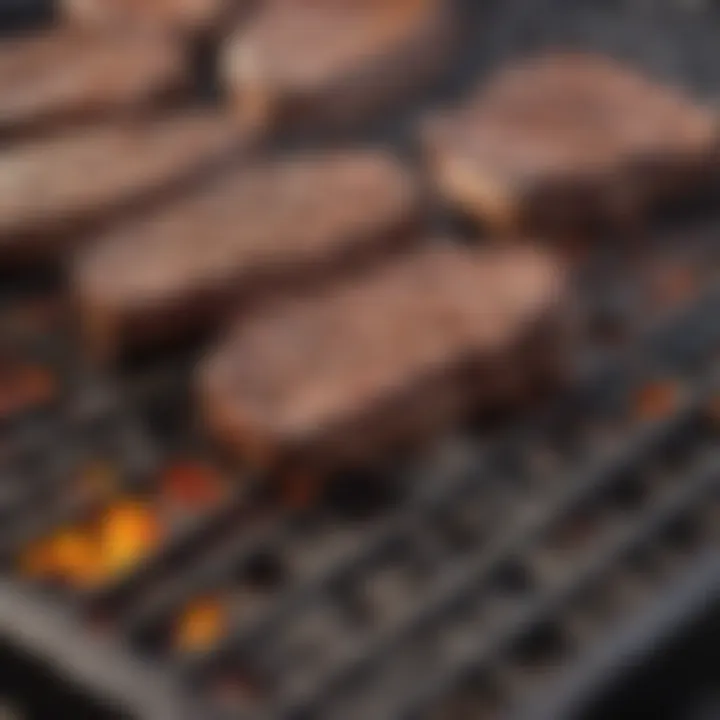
x,y
456,584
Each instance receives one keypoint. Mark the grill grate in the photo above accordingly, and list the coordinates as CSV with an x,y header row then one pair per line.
x,y
485,543
482,568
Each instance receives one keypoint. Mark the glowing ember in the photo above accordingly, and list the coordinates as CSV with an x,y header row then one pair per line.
x,y
128,531
24,387
88,554
77,558
200,625
193,485
70,556
657,400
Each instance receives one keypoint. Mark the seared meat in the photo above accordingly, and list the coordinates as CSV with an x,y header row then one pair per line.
x,y
399,353
258,232
62,77
328,62
563,140
181,15
57,189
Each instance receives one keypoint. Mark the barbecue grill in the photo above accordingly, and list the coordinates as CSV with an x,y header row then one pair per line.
x,y
561,564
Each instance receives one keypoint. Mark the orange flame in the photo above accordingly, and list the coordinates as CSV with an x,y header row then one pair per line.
x,y
70,556
200,625
87,554
128,531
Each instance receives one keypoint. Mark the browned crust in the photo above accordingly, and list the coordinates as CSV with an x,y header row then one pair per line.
x,y
423,406
177,16
90,179
352,96
62,77
124,324
619,173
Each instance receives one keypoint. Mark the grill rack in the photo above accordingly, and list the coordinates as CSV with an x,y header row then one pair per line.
x,y
682,344
503,569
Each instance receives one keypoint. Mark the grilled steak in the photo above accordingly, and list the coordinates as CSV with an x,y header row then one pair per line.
x,y
263,230
57,189
180,15
569,139
383,361
334,63
62,77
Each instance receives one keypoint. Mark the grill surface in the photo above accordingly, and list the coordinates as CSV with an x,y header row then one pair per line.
x,y
469,582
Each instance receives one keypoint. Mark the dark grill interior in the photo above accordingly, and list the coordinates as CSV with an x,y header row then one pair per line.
x,y
466,583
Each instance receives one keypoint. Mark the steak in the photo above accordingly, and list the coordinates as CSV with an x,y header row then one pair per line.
x,y
175,15
267,229
56,190
329,63
382,362
62,77
566,141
